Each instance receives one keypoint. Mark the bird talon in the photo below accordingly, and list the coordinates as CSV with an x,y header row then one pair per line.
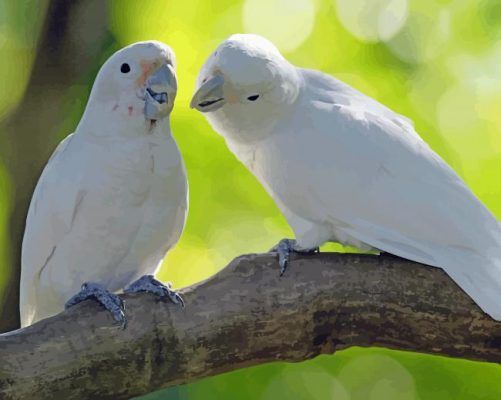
x,y
148,283
111,302
284,248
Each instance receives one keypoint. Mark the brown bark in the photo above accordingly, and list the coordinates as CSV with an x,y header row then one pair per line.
x,y
246,315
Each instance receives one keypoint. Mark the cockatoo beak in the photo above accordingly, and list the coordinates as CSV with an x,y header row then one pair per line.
x,y
160,92
209,96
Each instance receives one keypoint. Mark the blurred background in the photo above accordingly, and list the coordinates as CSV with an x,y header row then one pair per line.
x,y
435,61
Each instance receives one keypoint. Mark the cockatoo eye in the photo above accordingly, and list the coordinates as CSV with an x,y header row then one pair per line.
x,y
254,97
125,68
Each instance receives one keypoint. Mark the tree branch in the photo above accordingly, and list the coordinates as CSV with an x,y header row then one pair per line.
x,y
246,315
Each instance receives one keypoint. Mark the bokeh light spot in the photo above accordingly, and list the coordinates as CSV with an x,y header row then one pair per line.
x,y
423,37
305,382
377,377
456,111
377,20
287,23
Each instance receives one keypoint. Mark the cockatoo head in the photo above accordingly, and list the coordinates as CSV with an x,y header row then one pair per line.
x,y
243,86
135,87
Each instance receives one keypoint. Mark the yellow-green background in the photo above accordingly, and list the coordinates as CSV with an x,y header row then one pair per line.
x,y
438,62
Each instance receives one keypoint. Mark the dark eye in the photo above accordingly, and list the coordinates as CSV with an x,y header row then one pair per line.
x,y
125,68
254,97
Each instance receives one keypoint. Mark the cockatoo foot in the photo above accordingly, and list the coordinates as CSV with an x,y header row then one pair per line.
x,y
287,246
110,301
148,283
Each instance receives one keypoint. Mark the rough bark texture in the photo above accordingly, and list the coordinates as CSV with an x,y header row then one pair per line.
x,y
246,315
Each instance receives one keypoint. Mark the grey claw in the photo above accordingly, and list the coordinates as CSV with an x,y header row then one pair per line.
x,y
148,283
284,248
113,303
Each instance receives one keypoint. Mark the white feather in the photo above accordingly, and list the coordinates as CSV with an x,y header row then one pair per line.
x,y
110,203
343,167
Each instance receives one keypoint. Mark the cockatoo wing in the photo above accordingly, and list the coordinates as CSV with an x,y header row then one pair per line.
x,y
379,182
52,210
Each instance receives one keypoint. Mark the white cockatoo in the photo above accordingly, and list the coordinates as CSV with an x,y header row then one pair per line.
x,y
342,167
112,199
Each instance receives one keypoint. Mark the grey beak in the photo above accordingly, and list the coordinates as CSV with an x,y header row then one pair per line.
x,y
160,92
209,96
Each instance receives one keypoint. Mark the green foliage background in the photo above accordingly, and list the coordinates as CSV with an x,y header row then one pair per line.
x,y
435,61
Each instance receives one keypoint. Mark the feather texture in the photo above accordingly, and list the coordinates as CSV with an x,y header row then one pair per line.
x,y
111,201
343,167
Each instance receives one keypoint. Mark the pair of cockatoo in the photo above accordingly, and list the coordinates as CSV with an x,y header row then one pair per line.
x,y
340,166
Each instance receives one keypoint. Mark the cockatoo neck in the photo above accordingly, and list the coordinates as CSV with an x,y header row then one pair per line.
x,y
120,119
